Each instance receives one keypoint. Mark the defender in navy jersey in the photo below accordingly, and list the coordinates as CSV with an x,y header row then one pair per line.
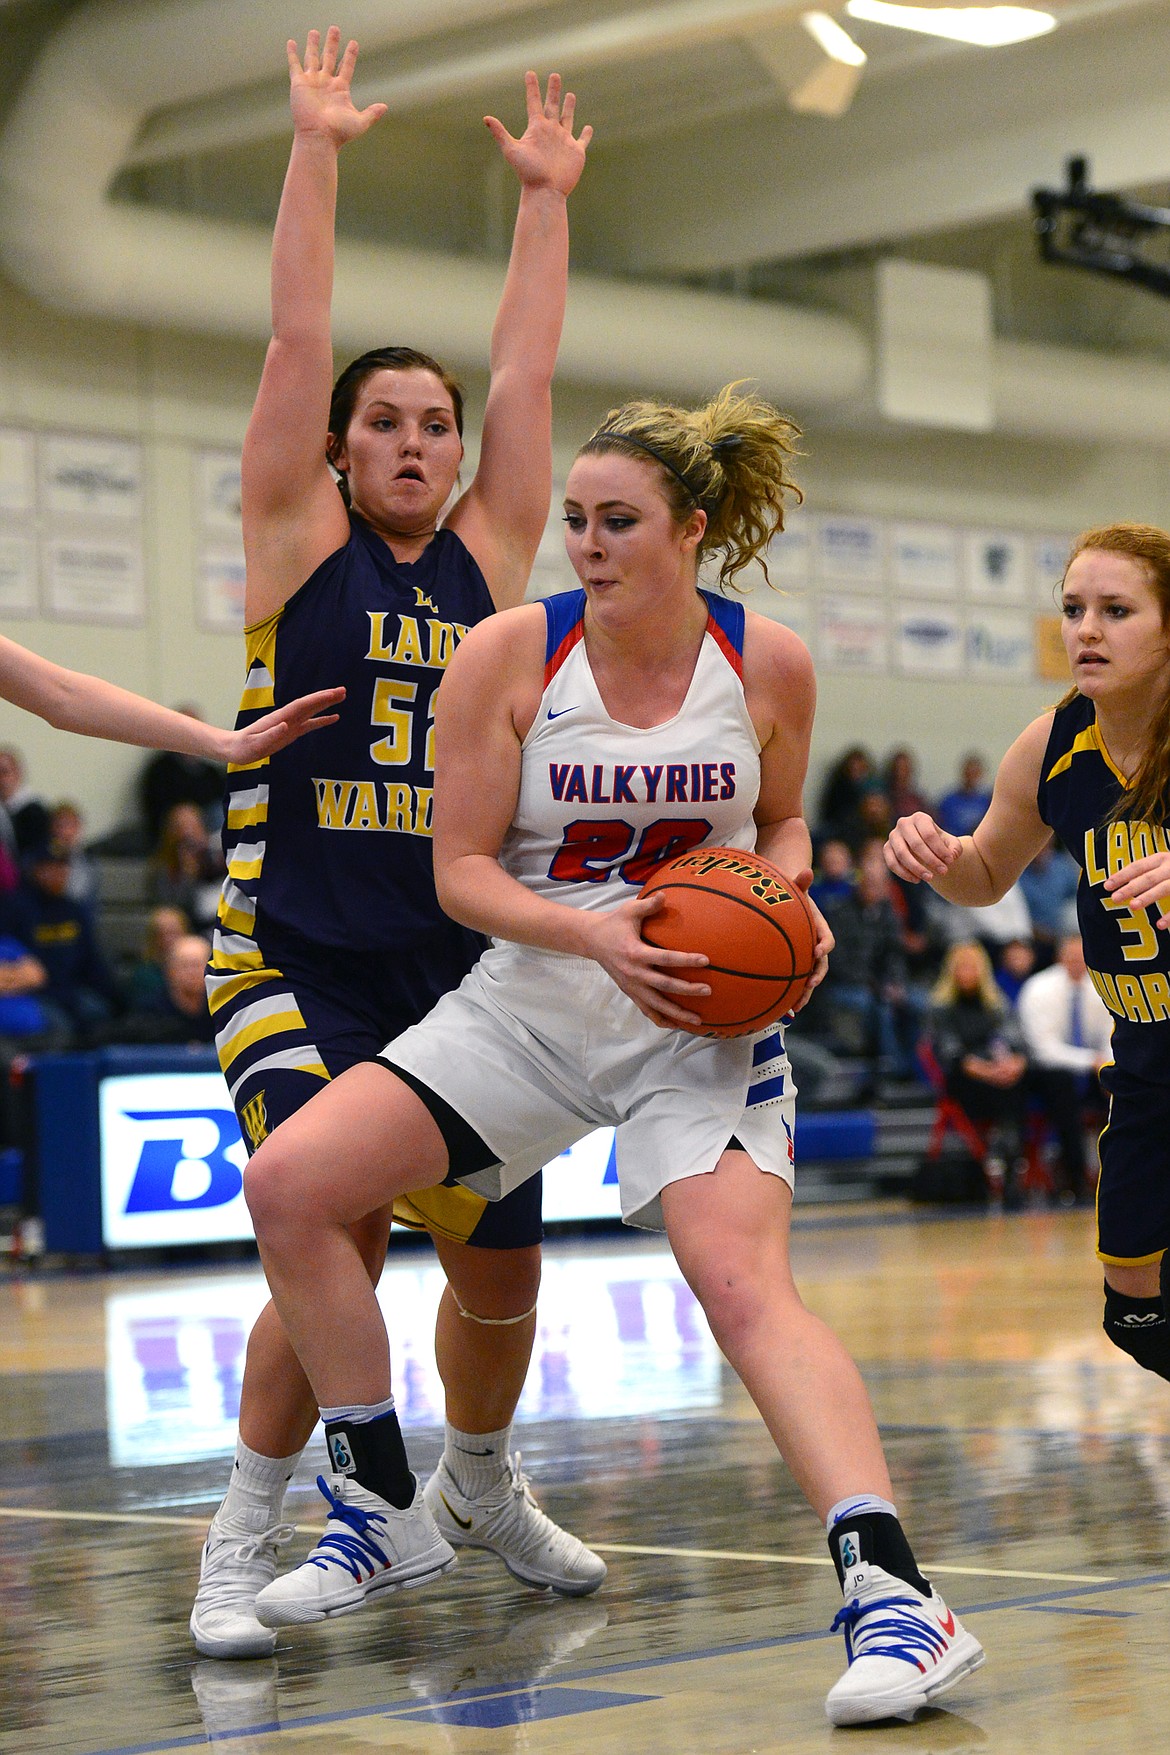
x,y
579,742
1096,772
329,936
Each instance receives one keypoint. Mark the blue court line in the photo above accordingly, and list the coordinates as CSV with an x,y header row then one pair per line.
x,y
404,1708
1059,1609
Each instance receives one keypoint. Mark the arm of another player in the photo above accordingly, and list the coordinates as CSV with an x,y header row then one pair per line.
x,y
72,701
488,699
293,514
503,514
974,870
781,690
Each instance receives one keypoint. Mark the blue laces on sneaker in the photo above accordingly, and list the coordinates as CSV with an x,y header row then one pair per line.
x,y
892,1634
356,1552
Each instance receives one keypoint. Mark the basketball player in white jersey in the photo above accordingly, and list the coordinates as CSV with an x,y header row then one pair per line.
x,y
581,741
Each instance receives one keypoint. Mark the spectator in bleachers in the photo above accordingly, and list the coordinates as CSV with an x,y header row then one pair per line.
x,y
170,779
1050,890
980,1049
27,1026
841,793
145,981
833,879
871,820
900,784
961,810
187,869
27,814
1068,1030
80,989
67,830
1014,965
181,1017
994,926
867,980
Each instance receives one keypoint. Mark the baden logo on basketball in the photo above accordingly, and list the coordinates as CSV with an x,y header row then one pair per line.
x,y
751,922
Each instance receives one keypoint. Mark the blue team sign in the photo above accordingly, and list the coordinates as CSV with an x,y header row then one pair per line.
x,y
172,1165
172,1161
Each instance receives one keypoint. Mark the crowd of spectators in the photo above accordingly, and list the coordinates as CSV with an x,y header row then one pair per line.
x,y
60,987
991,1007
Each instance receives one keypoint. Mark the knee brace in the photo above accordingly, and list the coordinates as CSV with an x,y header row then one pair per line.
x,y
1139,1327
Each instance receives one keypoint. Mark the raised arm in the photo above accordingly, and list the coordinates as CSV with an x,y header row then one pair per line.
x,y
977,869
293,514
72,701
503,514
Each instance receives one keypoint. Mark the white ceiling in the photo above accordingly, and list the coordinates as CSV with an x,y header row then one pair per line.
x,y
701,174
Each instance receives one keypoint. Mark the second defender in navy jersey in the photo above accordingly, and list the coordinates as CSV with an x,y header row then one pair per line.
x,y
1096,770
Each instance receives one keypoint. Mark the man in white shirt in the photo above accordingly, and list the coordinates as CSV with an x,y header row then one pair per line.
x,y
1068,1030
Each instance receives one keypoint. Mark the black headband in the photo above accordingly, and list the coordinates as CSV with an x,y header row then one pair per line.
x,y
719,450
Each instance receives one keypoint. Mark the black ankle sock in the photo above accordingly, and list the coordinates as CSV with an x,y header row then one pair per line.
x,y
372,1453
879,1538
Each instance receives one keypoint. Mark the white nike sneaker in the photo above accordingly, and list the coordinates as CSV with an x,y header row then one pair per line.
x,y
239,1559
511,1524
369,1546
904,1649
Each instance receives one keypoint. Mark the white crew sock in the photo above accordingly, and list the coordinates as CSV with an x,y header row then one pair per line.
x,y
255,1496
476,1461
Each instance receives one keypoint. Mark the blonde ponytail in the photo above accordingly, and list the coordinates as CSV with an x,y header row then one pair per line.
x,y
730,458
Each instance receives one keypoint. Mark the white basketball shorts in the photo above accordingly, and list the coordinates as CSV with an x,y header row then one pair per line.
x,y
535,1050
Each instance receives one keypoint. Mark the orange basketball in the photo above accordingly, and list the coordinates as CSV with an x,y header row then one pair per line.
x,y
750,920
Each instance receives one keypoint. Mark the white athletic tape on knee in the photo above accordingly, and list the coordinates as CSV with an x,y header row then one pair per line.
x,y
494,1321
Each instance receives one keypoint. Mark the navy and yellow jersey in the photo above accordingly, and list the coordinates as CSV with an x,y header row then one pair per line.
x,y
1128,958
329,840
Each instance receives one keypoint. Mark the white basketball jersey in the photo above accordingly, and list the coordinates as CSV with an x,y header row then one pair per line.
x,y
602,804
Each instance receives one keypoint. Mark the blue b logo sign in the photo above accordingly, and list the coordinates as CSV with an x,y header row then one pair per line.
x,y
153,1187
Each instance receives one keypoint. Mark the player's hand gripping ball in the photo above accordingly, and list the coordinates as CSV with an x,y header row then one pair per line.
x,y
752,922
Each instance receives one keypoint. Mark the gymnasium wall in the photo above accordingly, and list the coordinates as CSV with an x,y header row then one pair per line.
x,y
178,394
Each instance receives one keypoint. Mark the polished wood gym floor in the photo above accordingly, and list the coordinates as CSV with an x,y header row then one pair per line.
x,y
1031,1463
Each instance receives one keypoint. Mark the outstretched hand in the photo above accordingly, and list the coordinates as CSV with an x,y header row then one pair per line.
x,y
319,93
282,726
546,154
918,850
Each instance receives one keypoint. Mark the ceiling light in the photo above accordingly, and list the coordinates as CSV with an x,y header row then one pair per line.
x,y
836,43
988,27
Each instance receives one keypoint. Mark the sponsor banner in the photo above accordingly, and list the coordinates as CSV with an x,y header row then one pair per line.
x,y
928,639
924,559
850,551
18,573
172,1165
789,554
94,579
1000,645
218,492
997,567
852,633
18,483
91,478
1051,657
1049,559
221,580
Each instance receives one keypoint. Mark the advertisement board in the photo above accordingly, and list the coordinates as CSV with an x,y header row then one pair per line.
x,y
172,1165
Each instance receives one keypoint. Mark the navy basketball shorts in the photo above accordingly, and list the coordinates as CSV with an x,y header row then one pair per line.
x,y
297,1015
1133,1194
